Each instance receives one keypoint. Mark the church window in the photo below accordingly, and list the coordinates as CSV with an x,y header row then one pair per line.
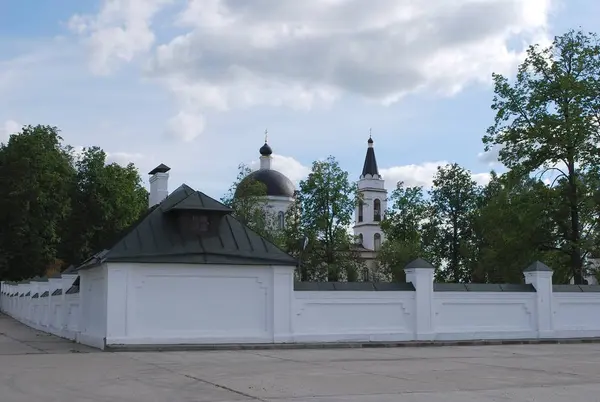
x,y
360,210
360,239
377,242
281,219
377,210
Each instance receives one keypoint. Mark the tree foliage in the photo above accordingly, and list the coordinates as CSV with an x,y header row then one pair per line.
x,y
453,204
106,200
327,199
404,229
248,199
57,208
548,119
36,173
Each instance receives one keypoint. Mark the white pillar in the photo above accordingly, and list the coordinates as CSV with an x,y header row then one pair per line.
x,y
420,273
540,276
283,294
67,281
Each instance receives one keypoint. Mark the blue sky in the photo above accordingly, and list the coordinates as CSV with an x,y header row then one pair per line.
x,y
195,83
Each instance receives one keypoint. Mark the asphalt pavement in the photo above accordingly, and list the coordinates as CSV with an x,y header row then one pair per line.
x,y
38,367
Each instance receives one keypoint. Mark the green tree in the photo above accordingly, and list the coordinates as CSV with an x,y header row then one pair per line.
x,y
106,200
327,199
513,227
404,231
454,199
36,173
548,119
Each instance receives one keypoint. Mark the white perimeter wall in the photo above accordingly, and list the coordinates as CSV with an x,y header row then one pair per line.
x,y
178,303
92,308
154,304
333,316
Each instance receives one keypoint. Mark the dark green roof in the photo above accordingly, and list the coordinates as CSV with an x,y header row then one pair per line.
x,y
158,237
185,198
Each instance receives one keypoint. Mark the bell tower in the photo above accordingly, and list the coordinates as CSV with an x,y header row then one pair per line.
x,y
369,211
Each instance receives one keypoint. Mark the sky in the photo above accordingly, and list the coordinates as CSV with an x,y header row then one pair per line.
x,y
194,84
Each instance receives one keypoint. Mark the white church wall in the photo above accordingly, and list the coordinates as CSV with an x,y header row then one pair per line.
x,y
145,304
576,314
342,316
183,303
483,315
92,307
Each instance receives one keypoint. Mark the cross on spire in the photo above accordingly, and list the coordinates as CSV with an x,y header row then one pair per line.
x,y
266,135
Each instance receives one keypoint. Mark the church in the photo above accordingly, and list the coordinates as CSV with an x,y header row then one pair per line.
x,y
367,215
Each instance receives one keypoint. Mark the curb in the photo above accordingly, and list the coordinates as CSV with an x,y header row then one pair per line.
x,y
341,345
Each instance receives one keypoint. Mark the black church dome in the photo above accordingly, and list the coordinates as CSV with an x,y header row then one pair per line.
x,y
265,150
277,184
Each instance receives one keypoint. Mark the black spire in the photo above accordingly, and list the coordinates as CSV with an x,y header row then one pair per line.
x,y
370,166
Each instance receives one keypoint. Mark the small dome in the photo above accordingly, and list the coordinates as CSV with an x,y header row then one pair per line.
x,y
370,140
277,184
266,150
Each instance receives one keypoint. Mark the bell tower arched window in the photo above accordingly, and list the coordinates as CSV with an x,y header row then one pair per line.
x,y
281,220
377,210
377,242
361,206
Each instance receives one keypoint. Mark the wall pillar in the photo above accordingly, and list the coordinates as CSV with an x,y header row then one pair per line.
x,y
420,273
540,276
67,281
117,279
283,298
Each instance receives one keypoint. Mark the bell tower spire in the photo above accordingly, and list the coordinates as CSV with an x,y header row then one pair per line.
x,y
373,203
370,169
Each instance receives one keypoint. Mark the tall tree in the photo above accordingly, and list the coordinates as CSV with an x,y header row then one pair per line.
x,y
328,199
36,173
106,199
403,226
512,228
454,199
548,119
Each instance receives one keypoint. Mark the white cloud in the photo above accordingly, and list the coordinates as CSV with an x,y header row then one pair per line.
x,y
119,32
123,158
186,126
297,53
120,158
490,157
412,175
7,128
421,175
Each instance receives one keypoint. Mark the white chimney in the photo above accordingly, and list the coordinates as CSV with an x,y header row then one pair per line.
x,y
159,184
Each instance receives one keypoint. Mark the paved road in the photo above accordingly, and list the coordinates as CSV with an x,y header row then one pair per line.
x,y
43,368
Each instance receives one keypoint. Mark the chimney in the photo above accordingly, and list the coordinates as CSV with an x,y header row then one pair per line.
x,y
159,184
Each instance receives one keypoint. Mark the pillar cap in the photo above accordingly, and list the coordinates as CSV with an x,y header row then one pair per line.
x,y
419,263
538,266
